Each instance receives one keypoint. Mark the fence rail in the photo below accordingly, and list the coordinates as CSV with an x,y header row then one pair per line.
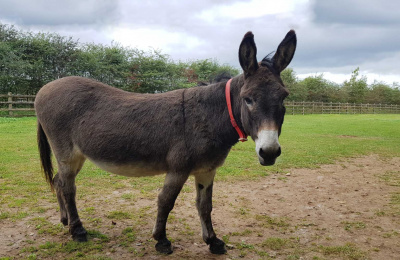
x,y
22,105
303,108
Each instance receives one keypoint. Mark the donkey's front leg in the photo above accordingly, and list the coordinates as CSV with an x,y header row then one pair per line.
x,y
166,200
204,187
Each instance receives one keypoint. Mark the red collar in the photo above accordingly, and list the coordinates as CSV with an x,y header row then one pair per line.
x,y
242,135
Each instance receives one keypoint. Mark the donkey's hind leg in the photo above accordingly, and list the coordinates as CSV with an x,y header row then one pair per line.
x,y
204,188
64,183
63,209
166,199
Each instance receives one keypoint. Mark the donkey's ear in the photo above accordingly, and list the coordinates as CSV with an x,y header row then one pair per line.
x,y
284,54
247,55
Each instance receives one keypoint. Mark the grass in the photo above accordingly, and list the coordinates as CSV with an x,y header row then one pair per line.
x,y
392,178
275,243
311,140
307,142
350,226
347,251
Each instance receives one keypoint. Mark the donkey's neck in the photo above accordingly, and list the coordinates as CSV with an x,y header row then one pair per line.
x,y
208,111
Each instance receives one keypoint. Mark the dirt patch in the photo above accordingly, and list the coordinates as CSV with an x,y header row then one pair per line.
x,y
338,211
348,136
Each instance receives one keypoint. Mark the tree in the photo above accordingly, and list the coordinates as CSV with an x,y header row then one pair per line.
x,y
49,56
356,88
12,67
381,93
316,87
208,70
108,64
30,60
298,92
153,72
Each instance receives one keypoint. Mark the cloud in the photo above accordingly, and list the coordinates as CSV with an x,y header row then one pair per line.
x,y
145,38
206,29
333,36
182,29
56,13
343,35
358,12
240,10
338,46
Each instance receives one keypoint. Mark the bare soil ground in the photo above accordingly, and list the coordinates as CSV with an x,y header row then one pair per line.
x,y
339,211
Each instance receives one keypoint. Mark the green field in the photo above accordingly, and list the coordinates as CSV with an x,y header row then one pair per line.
x,y
310,140
307,142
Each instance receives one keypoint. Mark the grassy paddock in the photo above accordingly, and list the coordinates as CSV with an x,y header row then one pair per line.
x,y
310,140
307,141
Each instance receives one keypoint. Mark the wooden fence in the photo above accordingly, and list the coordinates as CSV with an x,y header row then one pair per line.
x,y
296,108
22,105
17,105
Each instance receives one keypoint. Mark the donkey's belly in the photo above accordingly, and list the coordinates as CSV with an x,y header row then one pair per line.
x,y
130,170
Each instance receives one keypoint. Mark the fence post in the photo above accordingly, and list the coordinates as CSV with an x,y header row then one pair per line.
x,y
293,107
10,99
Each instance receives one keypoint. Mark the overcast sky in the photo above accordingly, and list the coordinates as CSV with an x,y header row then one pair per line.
x,y
334,36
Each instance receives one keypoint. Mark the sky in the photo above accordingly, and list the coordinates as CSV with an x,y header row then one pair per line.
x,y
334,37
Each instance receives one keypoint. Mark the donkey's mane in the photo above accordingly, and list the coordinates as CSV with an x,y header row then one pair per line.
x,y
220,77
268,60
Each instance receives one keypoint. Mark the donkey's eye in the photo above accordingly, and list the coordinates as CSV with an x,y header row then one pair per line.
x,y
248,101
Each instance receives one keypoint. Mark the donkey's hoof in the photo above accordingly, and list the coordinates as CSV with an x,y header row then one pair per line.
x,y
64,221
80,238
164,247
217,246
79,234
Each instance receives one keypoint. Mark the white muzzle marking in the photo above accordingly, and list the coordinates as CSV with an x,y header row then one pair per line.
x,y
267,140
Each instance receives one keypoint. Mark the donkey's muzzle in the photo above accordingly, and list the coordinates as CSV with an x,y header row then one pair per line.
x,y
267,147
268,157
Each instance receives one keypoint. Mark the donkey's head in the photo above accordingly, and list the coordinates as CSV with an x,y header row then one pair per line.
x,y
262,95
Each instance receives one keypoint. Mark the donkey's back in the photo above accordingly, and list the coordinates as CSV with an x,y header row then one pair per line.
x,y
124,133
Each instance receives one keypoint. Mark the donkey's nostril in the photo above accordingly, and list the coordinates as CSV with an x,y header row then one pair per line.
x,y
278,152
269,153
261,153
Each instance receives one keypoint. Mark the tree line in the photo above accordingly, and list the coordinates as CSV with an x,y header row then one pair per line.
x,y
30,60
355,90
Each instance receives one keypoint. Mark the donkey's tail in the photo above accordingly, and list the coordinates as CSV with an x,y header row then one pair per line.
x,y
45,155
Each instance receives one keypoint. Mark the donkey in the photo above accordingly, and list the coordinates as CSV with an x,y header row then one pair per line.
x,y
183,132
